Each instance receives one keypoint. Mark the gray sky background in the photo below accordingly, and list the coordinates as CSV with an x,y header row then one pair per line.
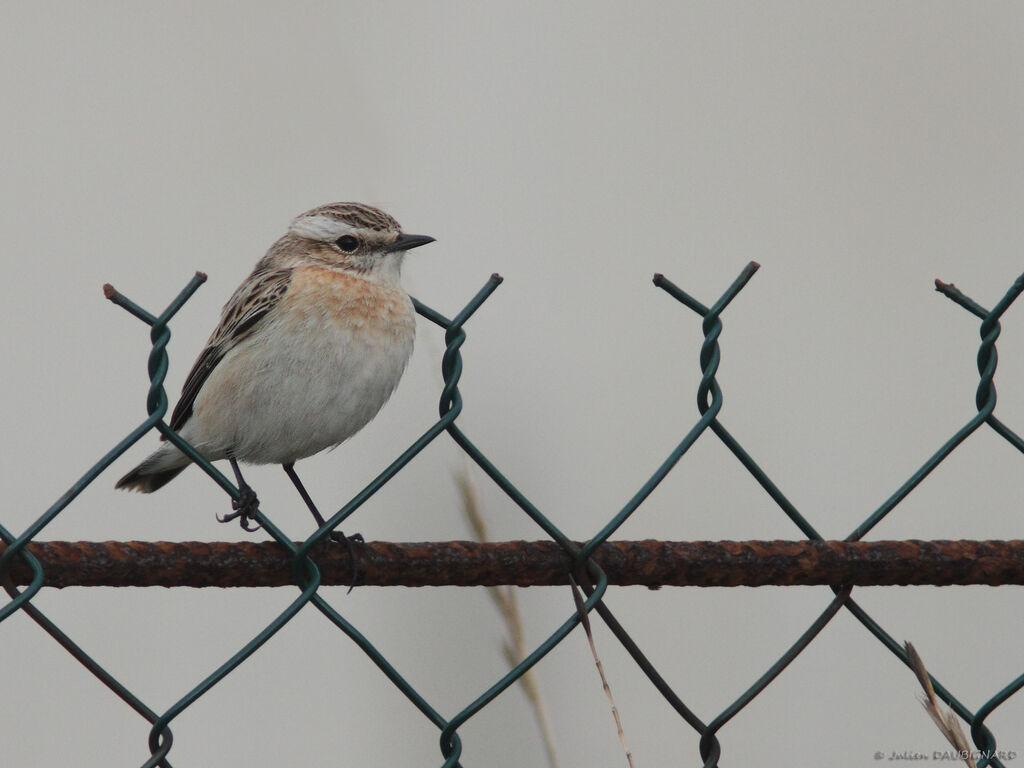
x,y
856,150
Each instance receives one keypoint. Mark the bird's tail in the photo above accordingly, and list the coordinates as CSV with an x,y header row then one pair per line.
x,y
156,471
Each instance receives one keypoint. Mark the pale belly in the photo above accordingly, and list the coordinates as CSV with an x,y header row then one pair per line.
x,y
305,383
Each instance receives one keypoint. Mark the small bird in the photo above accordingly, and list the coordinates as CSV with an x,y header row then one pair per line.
x,y
307,351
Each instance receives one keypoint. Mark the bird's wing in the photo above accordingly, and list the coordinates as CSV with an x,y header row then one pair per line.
x,y
241,316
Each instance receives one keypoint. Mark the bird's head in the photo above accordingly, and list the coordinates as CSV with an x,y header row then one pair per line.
x,y
351,236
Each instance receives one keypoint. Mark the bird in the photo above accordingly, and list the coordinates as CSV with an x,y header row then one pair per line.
x,y
308,349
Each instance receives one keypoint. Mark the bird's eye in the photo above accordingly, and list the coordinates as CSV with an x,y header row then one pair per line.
x,y
347,243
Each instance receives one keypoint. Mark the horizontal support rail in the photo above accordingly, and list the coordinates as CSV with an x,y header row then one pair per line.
x,y
537,563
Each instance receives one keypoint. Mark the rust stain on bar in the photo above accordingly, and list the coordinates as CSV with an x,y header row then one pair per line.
x,y
539,563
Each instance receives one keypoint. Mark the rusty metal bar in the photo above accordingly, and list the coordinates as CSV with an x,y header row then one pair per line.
x,y
466,563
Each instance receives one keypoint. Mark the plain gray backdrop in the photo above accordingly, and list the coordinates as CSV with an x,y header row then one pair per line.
x,y
856,150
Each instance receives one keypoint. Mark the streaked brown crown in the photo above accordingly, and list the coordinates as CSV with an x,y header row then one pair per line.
x,y
357,215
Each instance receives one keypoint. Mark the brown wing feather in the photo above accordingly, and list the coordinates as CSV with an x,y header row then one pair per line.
x,y
239,319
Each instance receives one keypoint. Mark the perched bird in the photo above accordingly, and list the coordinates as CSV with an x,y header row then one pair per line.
x,y
307,351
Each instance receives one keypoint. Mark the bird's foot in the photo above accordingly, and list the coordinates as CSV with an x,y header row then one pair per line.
x,y
245,509
340,538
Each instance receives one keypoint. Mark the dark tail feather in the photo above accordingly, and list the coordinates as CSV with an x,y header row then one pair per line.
x,y
147,482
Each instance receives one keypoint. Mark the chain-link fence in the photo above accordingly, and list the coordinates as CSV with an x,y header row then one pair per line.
x,y
593,564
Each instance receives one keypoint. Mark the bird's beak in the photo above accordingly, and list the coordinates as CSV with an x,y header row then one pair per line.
x,y
408,242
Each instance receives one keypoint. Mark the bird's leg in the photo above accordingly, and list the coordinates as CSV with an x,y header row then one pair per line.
x,y
337,536
246,506
289,470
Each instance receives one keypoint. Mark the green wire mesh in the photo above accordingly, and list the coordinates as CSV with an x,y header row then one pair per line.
x,y
585,570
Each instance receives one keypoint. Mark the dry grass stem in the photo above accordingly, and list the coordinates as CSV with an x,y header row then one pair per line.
x,y
504,598
585,621
948,724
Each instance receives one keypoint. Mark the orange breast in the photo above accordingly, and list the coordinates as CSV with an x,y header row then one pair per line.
x,y
349,302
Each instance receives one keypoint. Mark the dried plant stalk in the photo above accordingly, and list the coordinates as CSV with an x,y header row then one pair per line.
x,y
585,621
504,598
948,724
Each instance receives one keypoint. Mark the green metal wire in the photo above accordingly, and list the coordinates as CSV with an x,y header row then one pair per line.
x,y
710,403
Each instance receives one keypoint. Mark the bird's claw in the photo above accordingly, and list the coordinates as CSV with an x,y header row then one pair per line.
x,y
340,538
245,508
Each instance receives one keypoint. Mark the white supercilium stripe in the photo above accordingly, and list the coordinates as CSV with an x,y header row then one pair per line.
x,y
320,227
